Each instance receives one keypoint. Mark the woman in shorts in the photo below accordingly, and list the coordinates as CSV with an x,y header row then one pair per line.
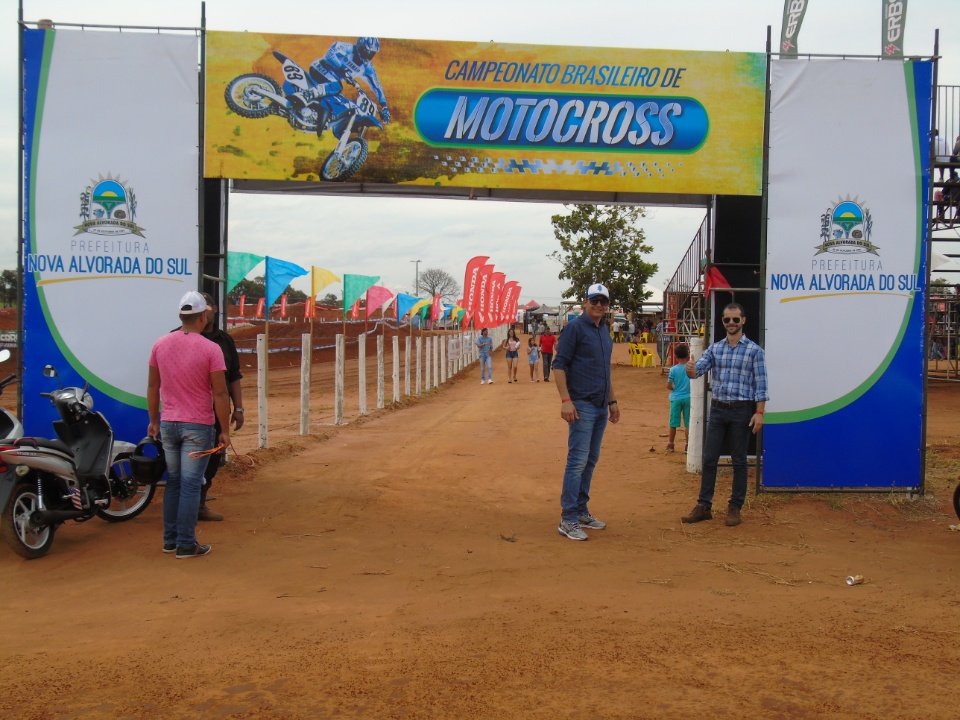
x,y
512,344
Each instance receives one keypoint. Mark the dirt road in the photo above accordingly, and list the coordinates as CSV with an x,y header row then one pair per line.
x,y
408,566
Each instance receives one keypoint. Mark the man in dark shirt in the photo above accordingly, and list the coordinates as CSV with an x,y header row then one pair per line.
x,y
581,368
232,360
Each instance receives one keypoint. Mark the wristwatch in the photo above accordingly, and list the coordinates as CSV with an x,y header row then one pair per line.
x,y
239,410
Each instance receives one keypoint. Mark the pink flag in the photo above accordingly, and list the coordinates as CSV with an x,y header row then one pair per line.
x,y
243,302
283,305
260,304
355,310
436,309
377,297
471,282
308,310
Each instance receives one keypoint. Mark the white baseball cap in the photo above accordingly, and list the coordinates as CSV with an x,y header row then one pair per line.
x,y
598,289
192,303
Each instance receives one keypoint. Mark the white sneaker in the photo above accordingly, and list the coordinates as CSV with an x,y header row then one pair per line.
x,y
591,523
571,530
483,382
490,381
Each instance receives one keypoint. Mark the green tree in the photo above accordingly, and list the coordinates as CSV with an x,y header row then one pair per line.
x,y
257,288
601,243
8,288
331,300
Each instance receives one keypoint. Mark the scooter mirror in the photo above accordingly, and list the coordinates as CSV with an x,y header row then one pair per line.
x,y
4,355
49,371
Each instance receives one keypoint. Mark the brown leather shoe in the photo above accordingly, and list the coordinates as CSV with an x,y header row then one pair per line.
x,y
700,512
733,516
206,513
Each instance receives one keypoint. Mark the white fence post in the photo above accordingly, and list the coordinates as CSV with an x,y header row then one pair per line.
x,y
444,365
362,372
406,365
380,372
698,407
396,368
419,377
305,358
338,382
263,363
426,362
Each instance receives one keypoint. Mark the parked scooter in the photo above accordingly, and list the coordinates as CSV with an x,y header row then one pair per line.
x,y
44,483
10,427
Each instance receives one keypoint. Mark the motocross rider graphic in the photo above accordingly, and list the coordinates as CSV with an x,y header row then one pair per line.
x,y
342,61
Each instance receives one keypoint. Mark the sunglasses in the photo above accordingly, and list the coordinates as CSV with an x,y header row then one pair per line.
x,y
734,320
599,300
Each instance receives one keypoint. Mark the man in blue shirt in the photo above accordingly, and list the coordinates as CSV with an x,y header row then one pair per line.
x,y
484,349
739,397
581,369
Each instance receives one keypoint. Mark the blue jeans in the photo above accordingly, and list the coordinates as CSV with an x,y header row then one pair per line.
x,y
583,452
486,367
181,497
734,425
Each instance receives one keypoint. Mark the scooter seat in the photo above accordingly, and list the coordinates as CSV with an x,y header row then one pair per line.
x,y
37,442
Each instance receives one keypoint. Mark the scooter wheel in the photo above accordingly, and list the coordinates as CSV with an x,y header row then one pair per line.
x,y
127,498
25,539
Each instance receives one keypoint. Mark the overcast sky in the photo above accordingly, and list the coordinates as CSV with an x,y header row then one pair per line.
x,y
382,236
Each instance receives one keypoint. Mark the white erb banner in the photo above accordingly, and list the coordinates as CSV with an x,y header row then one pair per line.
x,y
111,242
845,273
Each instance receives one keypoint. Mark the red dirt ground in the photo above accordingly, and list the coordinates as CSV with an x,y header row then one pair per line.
x,y
407,565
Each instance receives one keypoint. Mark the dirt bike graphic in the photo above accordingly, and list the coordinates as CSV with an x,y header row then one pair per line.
x,y
255,96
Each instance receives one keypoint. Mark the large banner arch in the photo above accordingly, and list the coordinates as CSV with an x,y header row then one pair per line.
x,y
111,212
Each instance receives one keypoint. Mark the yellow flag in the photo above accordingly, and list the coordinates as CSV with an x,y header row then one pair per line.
x,y
418,305
320,278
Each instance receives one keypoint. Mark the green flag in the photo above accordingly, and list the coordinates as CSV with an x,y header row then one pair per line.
x,y
354,286
239,265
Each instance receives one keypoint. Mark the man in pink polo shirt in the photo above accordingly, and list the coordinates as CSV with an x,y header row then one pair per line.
x,y
187,375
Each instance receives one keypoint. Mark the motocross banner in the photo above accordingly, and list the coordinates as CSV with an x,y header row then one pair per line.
x,y
846,275
110,128
426,112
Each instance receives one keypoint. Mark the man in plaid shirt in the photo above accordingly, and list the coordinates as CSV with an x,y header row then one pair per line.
x,y
739,397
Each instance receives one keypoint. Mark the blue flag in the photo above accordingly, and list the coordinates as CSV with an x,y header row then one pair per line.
x,y
404,303
279,275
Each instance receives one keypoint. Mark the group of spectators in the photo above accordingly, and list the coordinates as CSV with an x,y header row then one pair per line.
x,y
194,374
582,368
537,350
